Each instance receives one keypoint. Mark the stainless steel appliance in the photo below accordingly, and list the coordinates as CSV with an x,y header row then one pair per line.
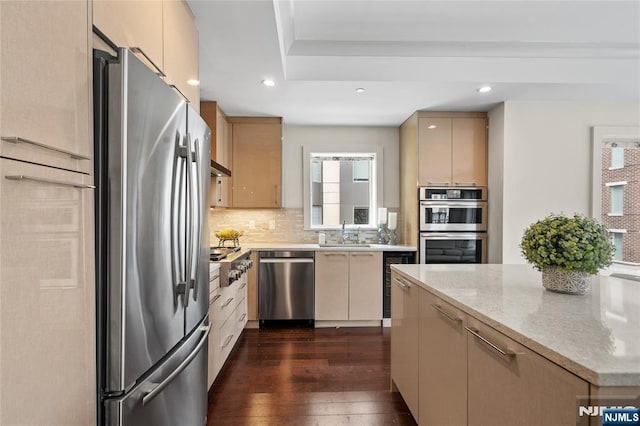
x,y
453,247
152,154
459,209
453,225
285,285
234,262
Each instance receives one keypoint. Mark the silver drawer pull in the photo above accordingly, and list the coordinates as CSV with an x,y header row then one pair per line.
x,y
402,283
446,314
334,254
18,139
50,181
507,354
361,254
438,183
225,304
466,183
227,341
242,317
215,298
242,286
215,277
140,51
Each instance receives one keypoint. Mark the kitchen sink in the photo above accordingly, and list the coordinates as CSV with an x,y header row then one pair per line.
x,y
344,245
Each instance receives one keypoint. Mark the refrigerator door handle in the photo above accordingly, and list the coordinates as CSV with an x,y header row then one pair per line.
x,y
196,223
189,215
179,279
156,388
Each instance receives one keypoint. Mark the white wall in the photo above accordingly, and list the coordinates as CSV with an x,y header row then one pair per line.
x,y
495,168
546,161
338,138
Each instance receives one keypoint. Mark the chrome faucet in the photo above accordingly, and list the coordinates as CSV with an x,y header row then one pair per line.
x,y
347,236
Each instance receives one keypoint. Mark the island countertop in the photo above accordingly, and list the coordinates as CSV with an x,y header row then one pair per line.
x,y
595,336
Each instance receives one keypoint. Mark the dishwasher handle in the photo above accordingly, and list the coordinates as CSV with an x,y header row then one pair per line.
x,y
285,260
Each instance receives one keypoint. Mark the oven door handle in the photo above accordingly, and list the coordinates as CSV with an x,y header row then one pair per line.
x,y
454,236
451,204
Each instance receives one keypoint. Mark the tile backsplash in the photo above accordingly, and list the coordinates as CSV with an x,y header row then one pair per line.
x,y
289,226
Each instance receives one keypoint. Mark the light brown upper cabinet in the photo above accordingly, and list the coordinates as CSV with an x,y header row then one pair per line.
x,y
132,24
452,151
439,149
181,49
220,190
45,89
257,162
164,30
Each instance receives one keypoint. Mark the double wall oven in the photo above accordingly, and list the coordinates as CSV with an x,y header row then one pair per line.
x,y
453,225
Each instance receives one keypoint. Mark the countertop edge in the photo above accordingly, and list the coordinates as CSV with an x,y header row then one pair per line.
x,y
316,247
619,379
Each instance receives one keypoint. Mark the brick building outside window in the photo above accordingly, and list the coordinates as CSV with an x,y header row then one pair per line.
x,y
621,200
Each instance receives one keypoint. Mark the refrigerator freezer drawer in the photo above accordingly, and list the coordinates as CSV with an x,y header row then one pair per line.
x,y
174,394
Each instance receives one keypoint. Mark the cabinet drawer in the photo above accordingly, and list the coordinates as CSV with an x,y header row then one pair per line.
x,y
510,384
241,316
225,300
442,366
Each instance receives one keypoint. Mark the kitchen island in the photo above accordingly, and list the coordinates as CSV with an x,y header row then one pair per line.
x,y
507,347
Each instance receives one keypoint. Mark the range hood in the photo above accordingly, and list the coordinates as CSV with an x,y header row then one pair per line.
x,y
219,170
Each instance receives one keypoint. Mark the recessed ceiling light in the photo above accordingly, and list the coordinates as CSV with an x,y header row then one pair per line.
x,y
193,82
269,83
432,126
360,90
484,89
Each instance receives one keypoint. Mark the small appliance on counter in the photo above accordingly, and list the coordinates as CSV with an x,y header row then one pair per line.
x,y
453,224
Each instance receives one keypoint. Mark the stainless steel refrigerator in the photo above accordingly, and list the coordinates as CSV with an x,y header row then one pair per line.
x,y
152,155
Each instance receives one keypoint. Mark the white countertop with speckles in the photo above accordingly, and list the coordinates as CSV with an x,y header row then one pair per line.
x,y
595,336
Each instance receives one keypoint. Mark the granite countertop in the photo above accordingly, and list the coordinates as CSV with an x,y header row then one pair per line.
x,y
595,336
335,247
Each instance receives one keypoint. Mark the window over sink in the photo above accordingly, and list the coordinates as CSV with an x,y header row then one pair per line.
x,y
342,188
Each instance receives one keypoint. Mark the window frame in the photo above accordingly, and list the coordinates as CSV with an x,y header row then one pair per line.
x,y
376,181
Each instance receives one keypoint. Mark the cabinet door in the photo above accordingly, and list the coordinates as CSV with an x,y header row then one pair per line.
x,y
47,297
223,156
331,286
519,387
223,139
45,88
365,286
257,164
443,363
405,303
180,41
132,24
469,145
434,151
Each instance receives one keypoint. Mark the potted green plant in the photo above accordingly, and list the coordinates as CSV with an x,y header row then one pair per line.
x,y
567,250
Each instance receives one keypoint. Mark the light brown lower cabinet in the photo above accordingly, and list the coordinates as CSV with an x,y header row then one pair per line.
x,y
508,384
405,297
452,369
442,366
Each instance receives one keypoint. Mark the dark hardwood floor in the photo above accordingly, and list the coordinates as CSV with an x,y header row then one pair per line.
x,y
305,376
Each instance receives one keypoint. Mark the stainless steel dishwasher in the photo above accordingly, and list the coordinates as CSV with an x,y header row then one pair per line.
x,y
285,285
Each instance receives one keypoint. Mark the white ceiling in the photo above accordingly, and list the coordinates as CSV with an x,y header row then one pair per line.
x,y
412,55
